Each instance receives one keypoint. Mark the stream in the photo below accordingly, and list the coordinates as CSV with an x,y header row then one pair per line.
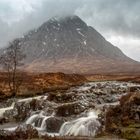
x,y
73,113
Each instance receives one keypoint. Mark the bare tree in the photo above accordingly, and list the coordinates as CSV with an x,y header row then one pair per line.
x,y
10,61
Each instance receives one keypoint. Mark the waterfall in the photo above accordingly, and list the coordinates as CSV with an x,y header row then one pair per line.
x,y
31,119
85,126
43,125
38,120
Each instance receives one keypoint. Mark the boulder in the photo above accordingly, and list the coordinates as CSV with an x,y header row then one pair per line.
x,y
54,124
124,116
61,97
69,109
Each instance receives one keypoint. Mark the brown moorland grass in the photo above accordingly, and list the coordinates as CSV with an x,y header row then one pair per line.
x,y
34,83
127,77
39,83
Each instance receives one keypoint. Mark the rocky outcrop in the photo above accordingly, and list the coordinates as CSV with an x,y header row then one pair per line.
x,y
124,119
22,132
22,110
54,124
69,109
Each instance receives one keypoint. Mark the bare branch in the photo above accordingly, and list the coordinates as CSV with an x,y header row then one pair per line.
x,y
10,61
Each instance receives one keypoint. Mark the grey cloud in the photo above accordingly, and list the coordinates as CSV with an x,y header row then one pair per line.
x,y
109,17
40,14
120,17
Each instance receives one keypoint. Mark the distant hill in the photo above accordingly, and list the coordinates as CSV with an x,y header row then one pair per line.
x,y
69,45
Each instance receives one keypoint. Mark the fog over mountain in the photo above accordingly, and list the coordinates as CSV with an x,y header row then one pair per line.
x,y
118,21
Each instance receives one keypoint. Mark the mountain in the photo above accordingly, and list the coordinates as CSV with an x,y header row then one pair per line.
x,y
69,45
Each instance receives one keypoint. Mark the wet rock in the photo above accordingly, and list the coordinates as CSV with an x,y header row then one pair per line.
x,y
22,110
99,85
62,97
6,135
22,132
93,87
100,101
134,88
69,109
19,113
9,102
124,115
3,120
109,99
54,124
26,132
113,91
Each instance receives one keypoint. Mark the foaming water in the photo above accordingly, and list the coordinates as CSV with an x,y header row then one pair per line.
x,y
85,126
38,121
31,119
11,128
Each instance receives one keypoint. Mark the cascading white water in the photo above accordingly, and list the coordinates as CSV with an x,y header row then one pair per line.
x,y
31,119
31,98
85,126
41,124
2,110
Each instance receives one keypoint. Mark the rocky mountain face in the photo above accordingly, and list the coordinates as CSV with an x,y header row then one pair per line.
x,y
69,45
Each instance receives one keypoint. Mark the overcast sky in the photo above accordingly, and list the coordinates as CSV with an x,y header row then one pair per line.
x,y
117,20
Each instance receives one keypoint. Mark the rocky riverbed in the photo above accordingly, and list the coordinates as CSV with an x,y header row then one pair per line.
x,y
79,111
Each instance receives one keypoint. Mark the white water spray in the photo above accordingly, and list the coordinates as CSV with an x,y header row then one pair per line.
x,y
40,119
85,126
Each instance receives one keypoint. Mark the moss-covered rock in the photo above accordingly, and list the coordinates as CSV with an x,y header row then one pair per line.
x,y
131,132
124,119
